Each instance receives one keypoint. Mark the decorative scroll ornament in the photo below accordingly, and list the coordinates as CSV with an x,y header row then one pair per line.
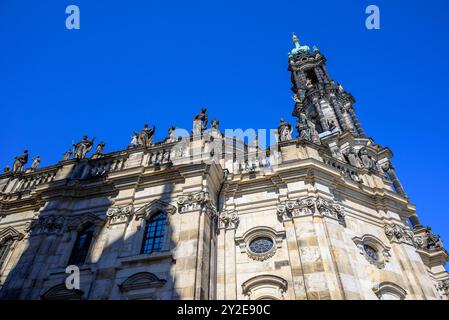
x,y
46,225
228,219
117,215
192,201
331,209
428,241
296,208
443,287
309,206
399,233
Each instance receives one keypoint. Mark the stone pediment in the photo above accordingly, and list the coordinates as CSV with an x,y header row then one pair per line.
x,y
141,280
155,206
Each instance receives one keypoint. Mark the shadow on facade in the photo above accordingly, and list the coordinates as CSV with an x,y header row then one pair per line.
x,y
114,266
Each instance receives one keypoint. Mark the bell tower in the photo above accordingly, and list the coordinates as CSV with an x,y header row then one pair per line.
x,y
321,99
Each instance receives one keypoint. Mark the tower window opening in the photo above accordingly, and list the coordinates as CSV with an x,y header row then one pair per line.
x,y
311,75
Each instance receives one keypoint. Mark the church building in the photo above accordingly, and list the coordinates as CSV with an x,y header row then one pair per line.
x,y
320,214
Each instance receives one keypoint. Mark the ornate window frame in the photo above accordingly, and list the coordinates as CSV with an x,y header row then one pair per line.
x,y
75,224
145,214
6,234
265,287
374,242
390,288
260,232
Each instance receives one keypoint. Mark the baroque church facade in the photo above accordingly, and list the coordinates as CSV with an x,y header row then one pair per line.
x,y
321,214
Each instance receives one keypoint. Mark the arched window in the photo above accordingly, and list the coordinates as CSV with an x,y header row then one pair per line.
x,y
154,233
82,245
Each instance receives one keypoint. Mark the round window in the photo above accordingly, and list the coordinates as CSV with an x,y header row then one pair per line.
x,y
371,252
261,245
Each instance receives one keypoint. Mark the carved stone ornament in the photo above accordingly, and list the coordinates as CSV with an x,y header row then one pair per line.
x,y
117,215
47,224
309,206
428,241
398,233
192,201
228,219
296,208
443,287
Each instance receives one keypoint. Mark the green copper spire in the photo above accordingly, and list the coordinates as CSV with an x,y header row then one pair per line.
x,y
298,48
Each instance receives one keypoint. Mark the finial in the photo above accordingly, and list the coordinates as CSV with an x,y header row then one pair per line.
x,y
295,40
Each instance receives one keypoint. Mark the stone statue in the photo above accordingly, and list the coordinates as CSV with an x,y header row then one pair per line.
x,y
133,142
20,161
83,147
340,88
145,136
67,155
352,157
200,122
214,124
433,241
6,169
284,131
306,129
99,150
331,124
308,83
296,99
36,162
367,161
171,135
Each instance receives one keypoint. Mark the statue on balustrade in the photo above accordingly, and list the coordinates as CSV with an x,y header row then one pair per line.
x,y
352,157
20,161
99,151
200,122
284,131
83,147
306,129
145,136
433,241
367,161
67,155
36,162
171,137
214,124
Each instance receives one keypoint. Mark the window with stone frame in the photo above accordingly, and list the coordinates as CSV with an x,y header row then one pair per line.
x,y
153,238
82,244
5,247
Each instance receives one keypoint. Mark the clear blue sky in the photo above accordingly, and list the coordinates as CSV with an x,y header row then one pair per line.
x,y
160,61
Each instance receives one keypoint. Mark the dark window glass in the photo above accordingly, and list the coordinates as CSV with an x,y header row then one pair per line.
x,y
371,252
154,234
261,245
4,250
82,244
